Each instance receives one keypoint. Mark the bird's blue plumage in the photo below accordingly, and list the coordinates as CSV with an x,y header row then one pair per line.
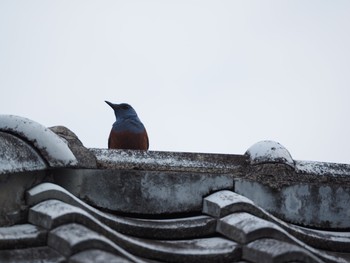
x,y
132,124
127,132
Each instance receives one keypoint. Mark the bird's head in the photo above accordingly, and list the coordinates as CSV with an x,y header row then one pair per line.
x,y
122,110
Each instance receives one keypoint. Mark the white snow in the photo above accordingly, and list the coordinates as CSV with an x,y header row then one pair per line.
x,y
269,151
224,198
322,168
51,146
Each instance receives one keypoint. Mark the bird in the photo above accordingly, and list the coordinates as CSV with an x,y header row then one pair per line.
x,y
128,132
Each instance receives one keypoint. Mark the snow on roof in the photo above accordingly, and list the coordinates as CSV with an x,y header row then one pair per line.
x,y
51,146
269,152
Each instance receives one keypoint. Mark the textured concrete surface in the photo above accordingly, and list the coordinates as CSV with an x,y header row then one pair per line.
x,y
331,170
86,159
19,236
97,256
170,161
274,251
315,205
53,213
88,233
251,225
224,202
172,228
30,255
13,209
72,238
244,227
18,156
142,192
75,228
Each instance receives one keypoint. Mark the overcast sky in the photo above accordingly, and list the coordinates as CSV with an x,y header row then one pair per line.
x,y
204,76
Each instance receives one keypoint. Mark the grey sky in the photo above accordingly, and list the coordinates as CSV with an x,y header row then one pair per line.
x,y
204,76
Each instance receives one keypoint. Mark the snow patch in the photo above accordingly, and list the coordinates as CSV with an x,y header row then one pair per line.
x,y
269,152
50,145
321,168
225,198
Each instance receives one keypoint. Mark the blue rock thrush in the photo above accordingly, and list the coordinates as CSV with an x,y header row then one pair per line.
x,y
127,131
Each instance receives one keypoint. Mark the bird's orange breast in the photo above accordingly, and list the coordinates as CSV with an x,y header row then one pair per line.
x,y
128,140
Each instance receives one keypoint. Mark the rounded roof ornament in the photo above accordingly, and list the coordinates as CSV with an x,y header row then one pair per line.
x,y
269,152
54,149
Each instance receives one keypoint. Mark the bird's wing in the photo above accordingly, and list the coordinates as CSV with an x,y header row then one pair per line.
x,y
109,141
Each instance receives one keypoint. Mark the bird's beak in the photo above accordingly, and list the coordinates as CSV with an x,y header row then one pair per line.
x,y
113,106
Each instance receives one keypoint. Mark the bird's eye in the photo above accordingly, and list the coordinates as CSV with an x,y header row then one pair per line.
x,y
125,107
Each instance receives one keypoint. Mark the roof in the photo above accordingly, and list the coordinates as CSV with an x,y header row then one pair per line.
x,y
62,202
